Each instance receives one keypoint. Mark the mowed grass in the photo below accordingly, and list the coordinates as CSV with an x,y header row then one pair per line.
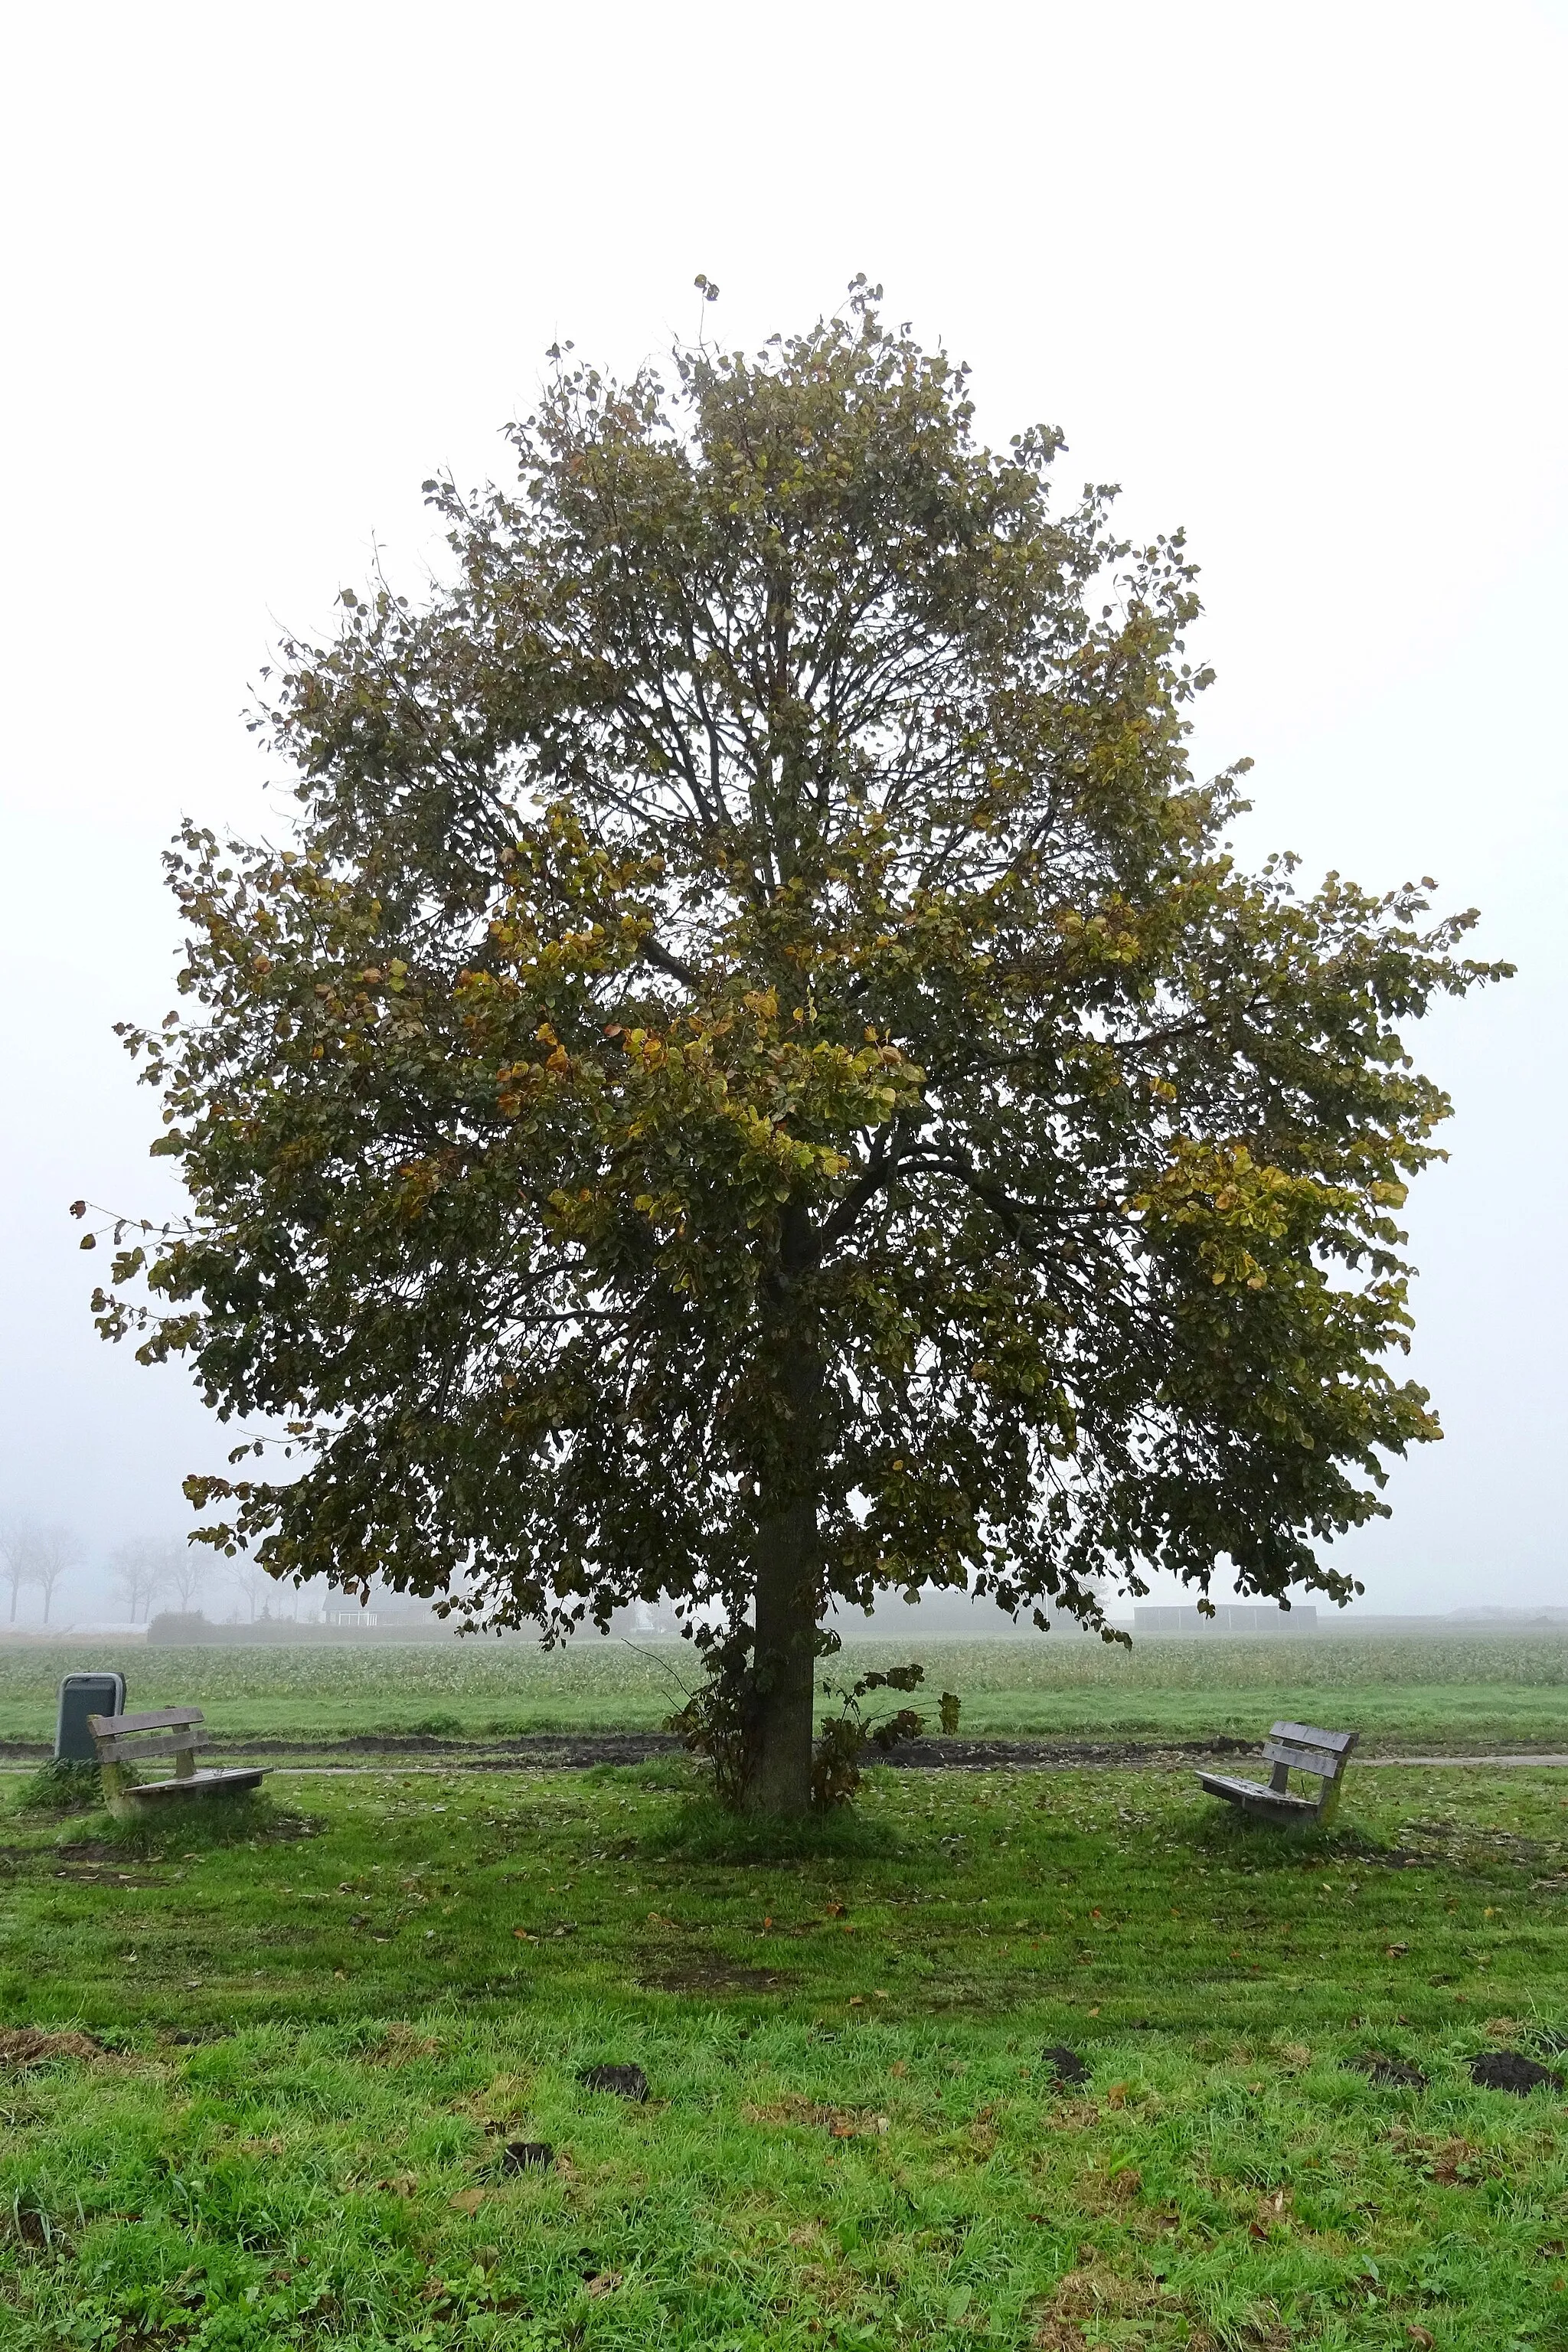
x,y
317,2048
1454,1694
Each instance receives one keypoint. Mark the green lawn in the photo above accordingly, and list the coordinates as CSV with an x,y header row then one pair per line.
x,y
1426,1694
316,2048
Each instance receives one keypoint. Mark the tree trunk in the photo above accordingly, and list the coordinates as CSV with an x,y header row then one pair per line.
x,y
788,1568
779,1780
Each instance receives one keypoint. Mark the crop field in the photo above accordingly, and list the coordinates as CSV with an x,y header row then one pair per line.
x,y
1474,1693
1020,2061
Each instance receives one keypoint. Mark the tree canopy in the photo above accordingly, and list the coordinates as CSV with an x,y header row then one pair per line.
x,y
758,1077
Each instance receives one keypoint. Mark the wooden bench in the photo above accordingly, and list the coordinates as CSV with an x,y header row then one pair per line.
x,y
165,1731
1291,1747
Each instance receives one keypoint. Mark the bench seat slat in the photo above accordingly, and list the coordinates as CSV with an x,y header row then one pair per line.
x,y
197,1784
125,1751
161,1719
1255,1791
1308,1735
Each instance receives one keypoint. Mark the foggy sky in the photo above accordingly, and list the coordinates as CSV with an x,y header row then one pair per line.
x,y
1294,279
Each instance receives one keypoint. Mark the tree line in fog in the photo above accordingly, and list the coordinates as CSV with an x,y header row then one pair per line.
x,y
42,1566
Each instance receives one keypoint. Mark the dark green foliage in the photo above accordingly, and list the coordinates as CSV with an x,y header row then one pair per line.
x,y
714,1725
849,1740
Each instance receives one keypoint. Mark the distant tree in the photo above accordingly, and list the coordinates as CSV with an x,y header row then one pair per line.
x,y
53,1552
759,1078
139,1573
249,1577
36,1555
186,1573
13,1558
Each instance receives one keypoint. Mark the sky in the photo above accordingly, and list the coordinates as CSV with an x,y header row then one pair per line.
x,y
1293,278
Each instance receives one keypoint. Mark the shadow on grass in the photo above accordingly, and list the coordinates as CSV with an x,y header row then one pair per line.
x,y
198,1825
703,1831
1232,1836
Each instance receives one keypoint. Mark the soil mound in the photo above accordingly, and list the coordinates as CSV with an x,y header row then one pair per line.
x,y
1510,2070
625,2081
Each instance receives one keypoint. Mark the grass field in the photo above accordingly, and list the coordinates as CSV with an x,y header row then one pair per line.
x,y
1428,1694
315,2049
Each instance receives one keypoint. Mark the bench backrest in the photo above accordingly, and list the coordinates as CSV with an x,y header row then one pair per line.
x,y
165,1731
1304,1748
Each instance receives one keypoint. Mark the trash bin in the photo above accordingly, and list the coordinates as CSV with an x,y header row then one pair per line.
x,y
81,1696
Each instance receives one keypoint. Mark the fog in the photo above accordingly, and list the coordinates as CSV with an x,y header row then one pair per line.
x,y
1293,279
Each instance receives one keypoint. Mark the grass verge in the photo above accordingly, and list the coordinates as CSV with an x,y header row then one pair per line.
x,y
299,2059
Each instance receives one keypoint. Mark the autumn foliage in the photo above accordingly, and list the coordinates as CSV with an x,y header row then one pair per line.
x,y
757,1077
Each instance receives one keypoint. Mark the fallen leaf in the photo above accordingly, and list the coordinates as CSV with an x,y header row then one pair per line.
x,y
467,2200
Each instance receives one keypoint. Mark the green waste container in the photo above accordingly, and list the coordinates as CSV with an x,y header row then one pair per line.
x,y
81,1696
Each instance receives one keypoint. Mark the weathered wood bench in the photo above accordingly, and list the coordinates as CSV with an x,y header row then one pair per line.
x,y
165,1731
1290,1747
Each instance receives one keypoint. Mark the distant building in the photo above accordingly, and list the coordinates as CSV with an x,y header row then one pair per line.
x,y
1229,1617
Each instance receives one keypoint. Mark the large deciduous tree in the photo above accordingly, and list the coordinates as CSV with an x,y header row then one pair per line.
x,y
758,1078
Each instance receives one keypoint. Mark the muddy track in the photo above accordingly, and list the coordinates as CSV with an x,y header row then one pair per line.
x,y
580,1751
